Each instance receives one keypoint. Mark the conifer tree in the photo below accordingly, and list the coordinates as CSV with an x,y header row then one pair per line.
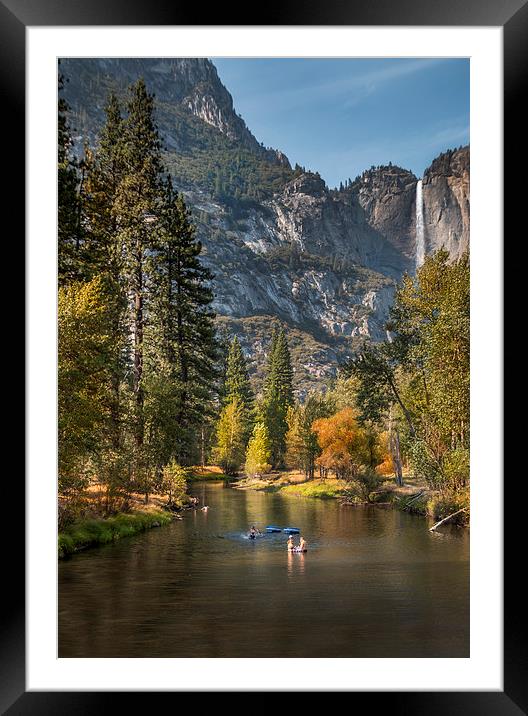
x,y
104,171
237,386
278,395
182,331
68,201
136,198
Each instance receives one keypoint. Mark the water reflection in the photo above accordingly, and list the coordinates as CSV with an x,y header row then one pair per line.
x,y
295,563
373,583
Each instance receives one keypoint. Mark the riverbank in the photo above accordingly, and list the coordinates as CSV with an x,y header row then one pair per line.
x,y
210,472
93,532
413,496
92,520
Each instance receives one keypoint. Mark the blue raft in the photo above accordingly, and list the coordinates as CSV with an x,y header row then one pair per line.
x,y
272,528
291,530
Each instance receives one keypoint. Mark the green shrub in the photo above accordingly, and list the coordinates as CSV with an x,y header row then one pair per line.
x,y
364,484
442,504
174,481
87,533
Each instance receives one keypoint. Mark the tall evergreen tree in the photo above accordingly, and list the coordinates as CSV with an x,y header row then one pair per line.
x,y
183,330
278,395
68,201
137,196
238,387
104,171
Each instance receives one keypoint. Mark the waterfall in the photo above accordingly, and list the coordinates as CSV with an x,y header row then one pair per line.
x,y
420,241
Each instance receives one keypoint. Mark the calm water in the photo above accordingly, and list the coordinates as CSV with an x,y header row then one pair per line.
x,y
374,583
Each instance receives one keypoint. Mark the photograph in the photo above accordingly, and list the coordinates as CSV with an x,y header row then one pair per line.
x,y
263,302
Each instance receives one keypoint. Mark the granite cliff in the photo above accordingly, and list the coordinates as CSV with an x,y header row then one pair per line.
x,y
282,245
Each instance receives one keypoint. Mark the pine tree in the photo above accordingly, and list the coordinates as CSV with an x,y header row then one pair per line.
x,y
104,171
68,201
278,395
136,198
237,386
258,453
184,347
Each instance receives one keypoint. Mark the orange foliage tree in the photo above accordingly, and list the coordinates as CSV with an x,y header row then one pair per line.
x,y
347,447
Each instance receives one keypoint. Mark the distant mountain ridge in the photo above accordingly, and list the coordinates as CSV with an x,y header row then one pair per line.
x,y
282,245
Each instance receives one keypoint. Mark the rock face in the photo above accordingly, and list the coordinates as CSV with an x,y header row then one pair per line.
x,y
282,245
387,196
446,202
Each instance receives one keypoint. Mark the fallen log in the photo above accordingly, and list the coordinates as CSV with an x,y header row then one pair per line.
x,y
413,498
446,519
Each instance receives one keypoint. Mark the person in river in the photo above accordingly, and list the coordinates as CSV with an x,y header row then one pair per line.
x,y
302,545
253,532
291,546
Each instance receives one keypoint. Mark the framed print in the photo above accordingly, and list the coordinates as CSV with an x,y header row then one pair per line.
x,y
255,348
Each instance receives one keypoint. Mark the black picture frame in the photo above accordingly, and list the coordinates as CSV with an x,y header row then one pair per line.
x,y
15,16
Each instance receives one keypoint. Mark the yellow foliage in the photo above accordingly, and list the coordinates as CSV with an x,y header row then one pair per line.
x,y
344,444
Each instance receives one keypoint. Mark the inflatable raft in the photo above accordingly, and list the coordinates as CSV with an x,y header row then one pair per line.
x,y
291,530
272,528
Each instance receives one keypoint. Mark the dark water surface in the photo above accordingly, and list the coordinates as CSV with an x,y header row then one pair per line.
x,y
374,583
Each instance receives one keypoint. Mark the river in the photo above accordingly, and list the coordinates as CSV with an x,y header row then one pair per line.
x,y
374,583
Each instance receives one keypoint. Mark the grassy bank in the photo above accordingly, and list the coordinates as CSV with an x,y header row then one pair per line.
x,y
92,532
413,497
207,473
324,490
294,483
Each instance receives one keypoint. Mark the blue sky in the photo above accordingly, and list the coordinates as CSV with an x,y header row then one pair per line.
x,y
340,116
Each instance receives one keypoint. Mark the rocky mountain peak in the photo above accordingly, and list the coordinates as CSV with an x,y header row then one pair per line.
x,y
309,183
453,163
386,195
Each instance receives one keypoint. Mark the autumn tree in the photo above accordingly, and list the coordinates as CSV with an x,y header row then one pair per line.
x,y
83,351
230,443
302,447
344,447
258,453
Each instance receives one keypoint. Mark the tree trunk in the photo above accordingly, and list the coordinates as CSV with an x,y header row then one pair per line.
x,y
138,347
402,406
394,441
446,519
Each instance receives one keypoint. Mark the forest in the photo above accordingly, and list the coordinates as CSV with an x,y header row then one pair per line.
x,y
151,391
